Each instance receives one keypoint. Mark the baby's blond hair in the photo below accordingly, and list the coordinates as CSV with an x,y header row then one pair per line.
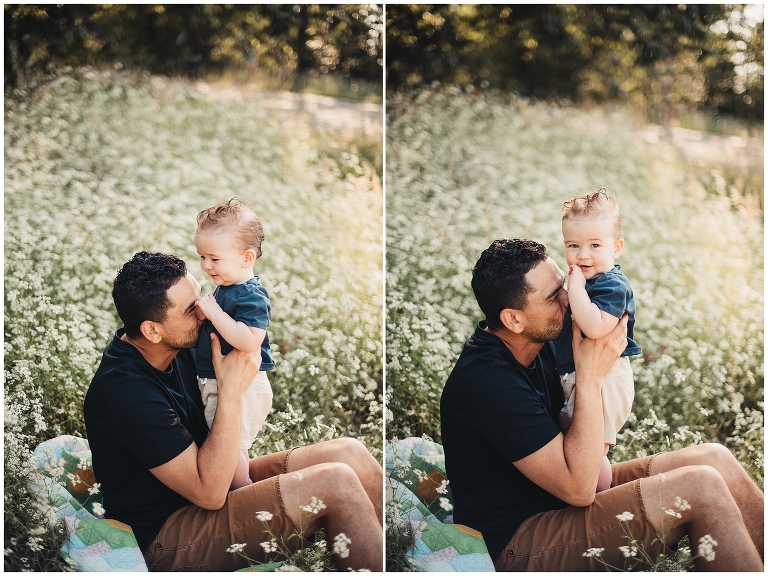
x,y
595,204
236,218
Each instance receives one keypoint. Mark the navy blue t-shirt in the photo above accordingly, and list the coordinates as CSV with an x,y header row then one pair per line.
x,y
493,412
137,418
247,303
612,293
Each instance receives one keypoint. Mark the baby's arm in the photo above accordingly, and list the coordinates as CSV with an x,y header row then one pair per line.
x,y
241,336
594,323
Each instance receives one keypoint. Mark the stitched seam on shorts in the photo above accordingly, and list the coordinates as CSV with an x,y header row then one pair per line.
x,y
648,468
282,504
287,455
643,511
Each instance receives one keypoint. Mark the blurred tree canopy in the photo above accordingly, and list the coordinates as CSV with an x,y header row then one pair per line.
x,y
346,39
693,56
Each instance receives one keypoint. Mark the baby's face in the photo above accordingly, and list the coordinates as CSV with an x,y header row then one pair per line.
x,y
221,258
590,244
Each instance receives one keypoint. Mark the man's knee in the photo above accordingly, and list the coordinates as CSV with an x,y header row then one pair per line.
x,y
701,483
350,446
717,455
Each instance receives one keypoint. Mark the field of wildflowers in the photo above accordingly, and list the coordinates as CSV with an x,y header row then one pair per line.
x,y
464,169
100,165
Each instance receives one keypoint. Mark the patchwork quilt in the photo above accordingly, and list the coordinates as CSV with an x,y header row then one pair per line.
x,y
65,479
417,486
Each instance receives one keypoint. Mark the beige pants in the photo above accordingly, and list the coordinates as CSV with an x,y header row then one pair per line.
x,y
257,402
618,394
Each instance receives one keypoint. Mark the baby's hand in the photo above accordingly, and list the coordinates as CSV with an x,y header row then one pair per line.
x,y
209,306
576,277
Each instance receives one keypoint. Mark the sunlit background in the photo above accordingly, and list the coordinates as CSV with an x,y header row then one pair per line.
x,y
498,114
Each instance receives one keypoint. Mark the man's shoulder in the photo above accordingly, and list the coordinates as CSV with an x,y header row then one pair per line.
x,y
486,366
124,377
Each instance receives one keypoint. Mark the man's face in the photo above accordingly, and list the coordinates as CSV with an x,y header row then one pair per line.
x,y
547,303
181,327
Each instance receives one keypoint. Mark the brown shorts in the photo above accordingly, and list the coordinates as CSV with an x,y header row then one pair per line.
x,y
556,541
194,539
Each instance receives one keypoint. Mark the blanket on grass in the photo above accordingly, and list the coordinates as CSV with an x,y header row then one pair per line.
x,y
419,490
64,479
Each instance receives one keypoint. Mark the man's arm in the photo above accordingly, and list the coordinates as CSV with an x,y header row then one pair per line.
x,y
203,475
568,466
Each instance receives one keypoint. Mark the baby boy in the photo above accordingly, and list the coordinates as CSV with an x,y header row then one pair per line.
x,y
228,240
598,294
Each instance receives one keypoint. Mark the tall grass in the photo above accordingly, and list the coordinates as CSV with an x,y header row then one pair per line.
x,y
463,170
99,166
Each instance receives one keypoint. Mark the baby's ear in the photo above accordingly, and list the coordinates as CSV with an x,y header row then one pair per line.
x,y
618,248
249,257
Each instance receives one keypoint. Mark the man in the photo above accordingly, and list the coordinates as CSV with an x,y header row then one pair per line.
x,y
167,476
530,489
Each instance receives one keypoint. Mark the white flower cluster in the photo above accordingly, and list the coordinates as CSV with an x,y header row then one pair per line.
x,y
341,544
314,506
707,547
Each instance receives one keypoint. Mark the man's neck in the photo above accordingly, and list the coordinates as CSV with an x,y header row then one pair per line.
x,y
158,356
522,348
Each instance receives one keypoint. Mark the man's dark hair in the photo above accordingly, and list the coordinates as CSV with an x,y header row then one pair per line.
x,y
141,288
498,278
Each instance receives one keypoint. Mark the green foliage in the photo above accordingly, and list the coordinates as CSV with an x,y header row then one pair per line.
x,y
674,56
344,40
465,169
99,166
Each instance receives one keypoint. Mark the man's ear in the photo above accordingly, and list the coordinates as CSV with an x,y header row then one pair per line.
x,y
150,332
618,247
512,320
249,257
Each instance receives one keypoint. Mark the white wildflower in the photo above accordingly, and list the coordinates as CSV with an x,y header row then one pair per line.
x,y
270,546
707,547
34,543
236,548
443,488
98,509
264,516
681,504
297,476
672,513
593,552
625,516
628,551
94,489
313,507
341,545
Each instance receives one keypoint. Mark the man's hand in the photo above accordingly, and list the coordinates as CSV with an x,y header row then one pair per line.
x,y
595,358
203,476
208,306
569,465
235,371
